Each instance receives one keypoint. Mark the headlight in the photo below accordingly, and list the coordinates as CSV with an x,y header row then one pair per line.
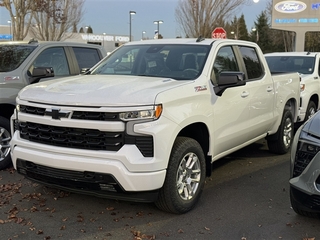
x,y
310,148
18,108
151,114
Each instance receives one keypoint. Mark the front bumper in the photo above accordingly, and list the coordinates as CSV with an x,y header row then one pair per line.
x,y
305,166
90,172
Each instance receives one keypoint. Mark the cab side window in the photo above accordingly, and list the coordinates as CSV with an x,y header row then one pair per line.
x,y
53,57
225,61
252,62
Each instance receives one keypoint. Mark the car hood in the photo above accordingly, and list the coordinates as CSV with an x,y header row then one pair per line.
x,y
99,90
312,126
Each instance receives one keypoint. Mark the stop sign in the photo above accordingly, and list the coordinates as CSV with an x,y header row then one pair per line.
x,y
219,32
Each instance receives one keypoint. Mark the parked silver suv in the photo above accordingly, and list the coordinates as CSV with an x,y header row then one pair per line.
x,y
24,63
305,169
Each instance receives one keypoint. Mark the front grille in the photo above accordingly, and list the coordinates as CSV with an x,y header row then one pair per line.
x,y
32,110
79,138
98,116
80,115
302,160
71,137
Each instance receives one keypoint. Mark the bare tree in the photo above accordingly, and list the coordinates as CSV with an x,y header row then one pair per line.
x,y
55,20
200,17
21,14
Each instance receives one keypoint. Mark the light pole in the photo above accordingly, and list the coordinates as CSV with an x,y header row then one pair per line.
x,y
103,39
158,23
130,14
10,30
256,32
87,28
142,37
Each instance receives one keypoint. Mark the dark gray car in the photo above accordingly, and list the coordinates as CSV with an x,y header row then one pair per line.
x,y
24,63
305,169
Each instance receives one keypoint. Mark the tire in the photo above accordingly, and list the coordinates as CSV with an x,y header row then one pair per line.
x,y
298,207
5,137
311,110
281,142
184,180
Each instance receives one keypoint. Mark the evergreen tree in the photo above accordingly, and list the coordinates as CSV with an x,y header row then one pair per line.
x,y
242,29
311,43
89,29
81,30
262,33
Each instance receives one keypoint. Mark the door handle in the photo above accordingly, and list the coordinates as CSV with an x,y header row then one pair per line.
x,y
244,94
269,89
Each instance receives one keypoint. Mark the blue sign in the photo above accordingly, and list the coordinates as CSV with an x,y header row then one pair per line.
x,y
315,6
5,37
290,6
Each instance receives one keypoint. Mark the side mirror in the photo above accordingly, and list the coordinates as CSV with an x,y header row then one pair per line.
x,y
227,80
41,72
84,70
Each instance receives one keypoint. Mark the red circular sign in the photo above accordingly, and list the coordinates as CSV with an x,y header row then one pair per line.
x,y
219,32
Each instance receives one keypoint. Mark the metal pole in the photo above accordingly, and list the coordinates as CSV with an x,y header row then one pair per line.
x,y
130,13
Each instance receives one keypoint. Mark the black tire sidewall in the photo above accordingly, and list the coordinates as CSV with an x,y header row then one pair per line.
x,y
182,147
311,104
5,123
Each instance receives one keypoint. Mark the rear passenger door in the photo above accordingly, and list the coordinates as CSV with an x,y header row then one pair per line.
x,y
231,109
260,90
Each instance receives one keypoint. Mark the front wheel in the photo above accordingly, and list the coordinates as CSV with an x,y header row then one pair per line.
x,y
281,142
185,177
5,137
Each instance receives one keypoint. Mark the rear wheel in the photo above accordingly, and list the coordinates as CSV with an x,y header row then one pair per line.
x,y
280,143
5,137
311,110
185,177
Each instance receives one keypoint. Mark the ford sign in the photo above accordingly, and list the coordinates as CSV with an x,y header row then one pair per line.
x,y
290,6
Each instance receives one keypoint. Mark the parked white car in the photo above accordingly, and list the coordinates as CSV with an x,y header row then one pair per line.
x,y
307,64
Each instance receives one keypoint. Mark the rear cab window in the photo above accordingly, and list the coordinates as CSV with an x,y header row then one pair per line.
x,y
86,57
252,62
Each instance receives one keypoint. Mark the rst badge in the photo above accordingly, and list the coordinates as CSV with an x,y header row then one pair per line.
x,y
290,6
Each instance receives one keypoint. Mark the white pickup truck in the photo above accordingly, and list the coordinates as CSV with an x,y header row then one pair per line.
x,y
307,64
147,122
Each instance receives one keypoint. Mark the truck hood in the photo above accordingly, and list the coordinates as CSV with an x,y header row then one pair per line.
x,y
99,90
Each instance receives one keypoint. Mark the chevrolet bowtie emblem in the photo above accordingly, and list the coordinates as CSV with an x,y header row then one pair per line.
x,y
55,113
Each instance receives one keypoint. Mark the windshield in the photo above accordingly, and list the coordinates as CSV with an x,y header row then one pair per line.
x,y
162,60
13,55
300,64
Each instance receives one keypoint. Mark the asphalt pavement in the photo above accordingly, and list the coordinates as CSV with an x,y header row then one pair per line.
x,y
246,198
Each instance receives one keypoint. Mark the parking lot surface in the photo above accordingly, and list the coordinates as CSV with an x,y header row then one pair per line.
x,y
246,198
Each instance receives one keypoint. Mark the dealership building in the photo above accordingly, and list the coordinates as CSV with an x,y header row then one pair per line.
x,y
297,16
109,42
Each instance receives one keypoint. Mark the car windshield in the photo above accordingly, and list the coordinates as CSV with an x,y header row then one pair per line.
x,y
13,55
300,64
180,62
